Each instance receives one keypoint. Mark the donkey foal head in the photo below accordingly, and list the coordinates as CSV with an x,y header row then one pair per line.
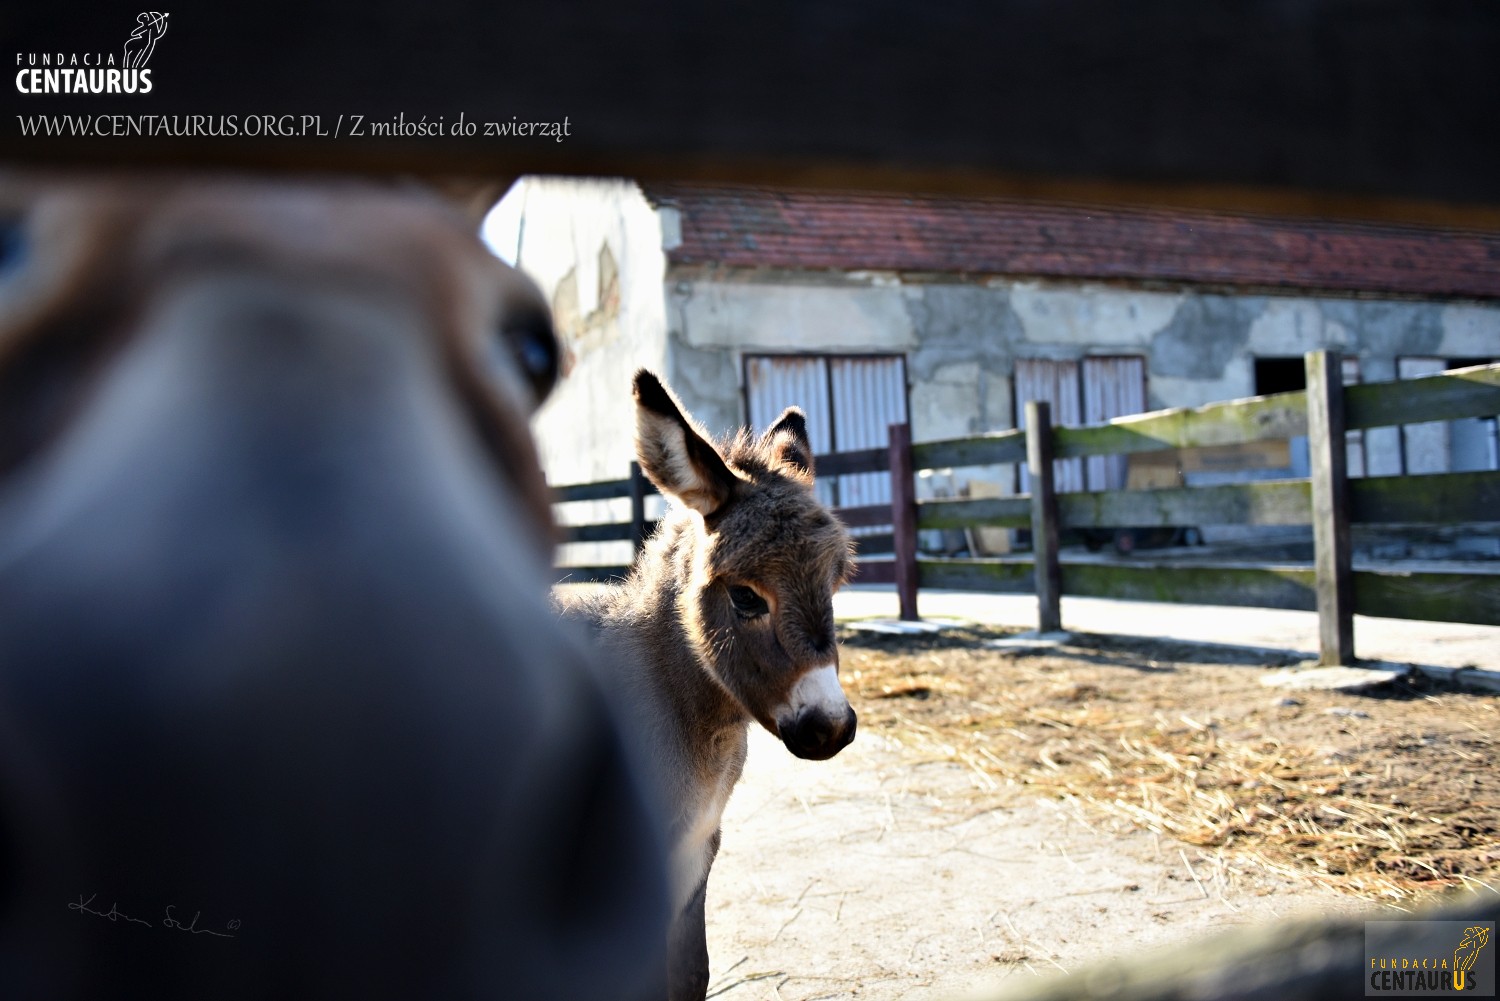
x,y
764,559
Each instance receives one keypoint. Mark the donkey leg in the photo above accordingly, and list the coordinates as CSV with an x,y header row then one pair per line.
x,y
687,951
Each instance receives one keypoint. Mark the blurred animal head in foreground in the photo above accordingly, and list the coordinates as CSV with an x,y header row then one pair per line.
x,y
278,678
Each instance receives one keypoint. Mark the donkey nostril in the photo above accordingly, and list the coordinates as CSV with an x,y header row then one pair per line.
x,y
814,729
816,735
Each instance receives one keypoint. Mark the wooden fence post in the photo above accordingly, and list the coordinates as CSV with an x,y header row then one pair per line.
x,y
904,520
1332,553
1043,515
637,508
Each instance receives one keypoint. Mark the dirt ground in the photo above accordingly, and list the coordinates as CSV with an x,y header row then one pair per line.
x,y
1010,814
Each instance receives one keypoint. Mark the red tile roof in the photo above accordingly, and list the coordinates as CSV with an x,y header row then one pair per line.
x,y
810,230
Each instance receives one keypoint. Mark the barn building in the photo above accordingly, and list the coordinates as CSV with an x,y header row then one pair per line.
x,y
951,313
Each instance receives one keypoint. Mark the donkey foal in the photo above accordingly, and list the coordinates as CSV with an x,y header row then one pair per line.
x,y
726,617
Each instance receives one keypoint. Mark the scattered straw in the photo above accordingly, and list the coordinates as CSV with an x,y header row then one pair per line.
x,y
1236,791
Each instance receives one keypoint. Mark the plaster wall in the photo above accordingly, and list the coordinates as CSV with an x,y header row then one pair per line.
x,y
595,248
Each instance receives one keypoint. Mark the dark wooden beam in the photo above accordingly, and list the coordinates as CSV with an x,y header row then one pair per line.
x,y
976,450
999,512
619,531
1044,527
1435,499
867,516
1436,597
1333,555
639,488
1004,576
868,460
904,519
1463,392
1256,587
1373,109
603,490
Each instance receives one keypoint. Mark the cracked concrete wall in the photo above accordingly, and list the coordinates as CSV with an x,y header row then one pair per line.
x,y
714,324
597,249
961,338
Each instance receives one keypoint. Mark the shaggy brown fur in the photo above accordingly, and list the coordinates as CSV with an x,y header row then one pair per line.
x,y
728,608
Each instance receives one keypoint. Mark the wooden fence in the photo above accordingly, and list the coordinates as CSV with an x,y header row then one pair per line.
x,y
1328,500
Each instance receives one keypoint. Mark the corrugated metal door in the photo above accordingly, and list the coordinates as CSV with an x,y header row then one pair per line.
x,y
775,382
869,395
1425,446
850,402
1354,441
1056,382
1112,387
1461,446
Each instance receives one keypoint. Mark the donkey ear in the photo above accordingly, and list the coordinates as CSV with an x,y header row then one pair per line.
x,y
788,444
674,453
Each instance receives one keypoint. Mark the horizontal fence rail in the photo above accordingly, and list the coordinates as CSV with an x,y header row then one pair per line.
x,y
1330,587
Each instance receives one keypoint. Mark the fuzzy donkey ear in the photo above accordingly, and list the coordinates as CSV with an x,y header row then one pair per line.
x,y
788,444
675,454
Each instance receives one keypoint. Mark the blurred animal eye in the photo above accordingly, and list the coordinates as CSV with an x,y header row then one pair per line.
x,y
746,602
12,243
532,346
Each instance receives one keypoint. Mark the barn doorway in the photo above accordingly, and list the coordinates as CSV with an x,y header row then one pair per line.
x,y
1276,374
1087,391
850,401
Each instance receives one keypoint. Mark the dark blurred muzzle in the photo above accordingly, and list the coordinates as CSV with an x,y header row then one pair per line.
x,y
816,735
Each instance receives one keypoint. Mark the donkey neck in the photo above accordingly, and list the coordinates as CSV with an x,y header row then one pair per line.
x,y
649,606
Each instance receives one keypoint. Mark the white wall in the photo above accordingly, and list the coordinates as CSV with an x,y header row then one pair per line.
x,y
563,233
568,235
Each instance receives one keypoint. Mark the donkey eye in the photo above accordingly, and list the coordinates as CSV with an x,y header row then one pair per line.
x,y
12,244
533,349
746,602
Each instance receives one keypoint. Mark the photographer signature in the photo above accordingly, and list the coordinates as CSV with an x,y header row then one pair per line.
x,y
115,914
